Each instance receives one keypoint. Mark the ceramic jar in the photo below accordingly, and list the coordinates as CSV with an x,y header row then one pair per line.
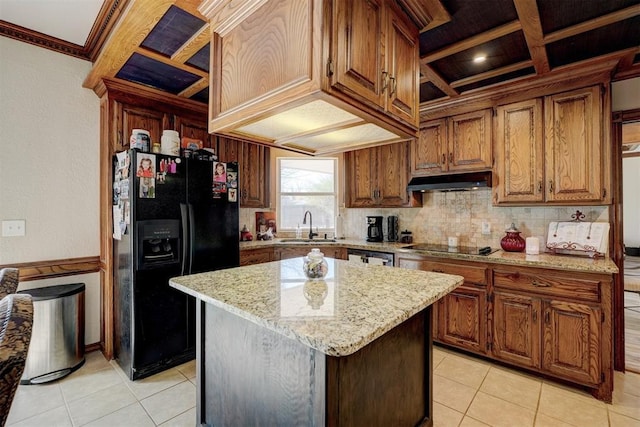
x,y
513,242
315,266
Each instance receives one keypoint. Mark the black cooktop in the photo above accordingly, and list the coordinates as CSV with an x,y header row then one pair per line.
x,y
467,250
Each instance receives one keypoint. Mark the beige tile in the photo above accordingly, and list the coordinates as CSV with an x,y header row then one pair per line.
x,y
156,383
571,407
573,392
188,369
543,420
171,402
186,419
445,417
94,361
47,395
628,382
463,370
58,417
512,387
470,422
452,394
100,403
86,382
497,412
625,404
438,356
132,415
619,420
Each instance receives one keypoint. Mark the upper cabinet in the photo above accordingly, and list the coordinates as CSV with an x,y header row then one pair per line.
x,y
376,59
253,165
552,150
313,76
378,176
460,143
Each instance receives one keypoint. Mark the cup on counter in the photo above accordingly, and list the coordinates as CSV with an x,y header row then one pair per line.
x,y
532,246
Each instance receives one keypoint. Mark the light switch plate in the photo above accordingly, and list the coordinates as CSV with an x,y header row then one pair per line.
x,y
486,227
13,228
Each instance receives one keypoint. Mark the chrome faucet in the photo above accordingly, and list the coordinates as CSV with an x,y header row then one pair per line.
x,y
304,221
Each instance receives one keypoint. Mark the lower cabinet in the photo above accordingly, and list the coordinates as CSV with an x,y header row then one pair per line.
x,y
550,323
460,318
554,322
286,252
256,256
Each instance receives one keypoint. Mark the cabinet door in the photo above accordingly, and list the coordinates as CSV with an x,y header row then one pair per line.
x,y
573,151
132,117
519,153
462,318
428,151
228,149
391,169
360,190
516,329
358,55
196,129
470,141
402,62
255,256
254,167
572,341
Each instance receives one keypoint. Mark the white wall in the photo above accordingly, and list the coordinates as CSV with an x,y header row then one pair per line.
x,y
49,160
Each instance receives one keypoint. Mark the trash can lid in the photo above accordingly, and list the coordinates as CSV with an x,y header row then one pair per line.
x,y
51,292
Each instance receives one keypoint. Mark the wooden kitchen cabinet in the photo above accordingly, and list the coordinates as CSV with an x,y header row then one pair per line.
x,y
256,256
376,56
461,315
461,143
253,165
378,177
295,251
551,150
558,324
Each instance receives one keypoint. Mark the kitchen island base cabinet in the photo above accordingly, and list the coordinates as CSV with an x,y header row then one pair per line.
x,y
253,375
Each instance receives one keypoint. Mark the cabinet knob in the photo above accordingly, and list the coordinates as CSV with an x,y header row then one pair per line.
x,y
546,317
394,86
550,186
535,315
540,187
450,157
384,80
540,284
444,158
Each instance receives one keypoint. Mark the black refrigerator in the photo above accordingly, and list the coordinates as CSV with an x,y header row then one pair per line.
x,y
171,216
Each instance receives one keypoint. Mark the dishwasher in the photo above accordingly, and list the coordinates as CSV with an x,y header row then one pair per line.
x,y
370,257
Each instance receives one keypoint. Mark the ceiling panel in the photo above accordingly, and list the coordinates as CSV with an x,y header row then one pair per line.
x,y
174,29
556,15
147,71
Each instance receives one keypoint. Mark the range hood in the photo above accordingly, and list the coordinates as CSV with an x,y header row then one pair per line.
x,y
451,182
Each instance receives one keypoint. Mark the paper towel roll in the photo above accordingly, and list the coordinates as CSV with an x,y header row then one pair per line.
x,y
532,246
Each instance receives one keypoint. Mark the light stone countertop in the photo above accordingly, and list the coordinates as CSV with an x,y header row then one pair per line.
x,y
351,307
543,260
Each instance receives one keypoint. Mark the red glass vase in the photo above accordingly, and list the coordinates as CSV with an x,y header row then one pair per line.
x,y
513,242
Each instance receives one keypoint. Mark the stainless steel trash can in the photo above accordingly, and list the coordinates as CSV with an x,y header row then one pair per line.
x,y
57,337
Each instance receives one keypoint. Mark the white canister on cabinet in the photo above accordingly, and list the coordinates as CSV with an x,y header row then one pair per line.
x,y
170,143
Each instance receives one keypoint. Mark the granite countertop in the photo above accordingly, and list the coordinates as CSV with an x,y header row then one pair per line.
x,y
543,260
351,307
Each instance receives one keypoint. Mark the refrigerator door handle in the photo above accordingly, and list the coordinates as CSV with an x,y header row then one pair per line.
x,y
191,235
184,220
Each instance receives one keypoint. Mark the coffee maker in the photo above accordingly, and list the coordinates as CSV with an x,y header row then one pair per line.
x,y
374,229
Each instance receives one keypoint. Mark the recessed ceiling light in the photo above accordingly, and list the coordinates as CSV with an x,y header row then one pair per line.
x,y
479,58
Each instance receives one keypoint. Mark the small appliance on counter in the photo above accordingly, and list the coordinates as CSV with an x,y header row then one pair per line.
x,y
374,229
406,237
392,228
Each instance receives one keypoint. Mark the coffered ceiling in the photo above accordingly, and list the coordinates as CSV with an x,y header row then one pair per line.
x,y
165,43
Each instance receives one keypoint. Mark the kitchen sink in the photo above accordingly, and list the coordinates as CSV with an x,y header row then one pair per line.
x,y
307,240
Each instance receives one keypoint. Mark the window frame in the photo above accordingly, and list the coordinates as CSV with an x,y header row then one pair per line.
x,y
279,193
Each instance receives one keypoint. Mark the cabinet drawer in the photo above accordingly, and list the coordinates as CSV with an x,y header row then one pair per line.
x,y
555,286
256,256
471,274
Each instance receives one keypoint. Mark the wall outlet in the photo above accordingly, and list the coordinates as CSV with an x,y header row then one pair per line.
x,y
486,227
13,228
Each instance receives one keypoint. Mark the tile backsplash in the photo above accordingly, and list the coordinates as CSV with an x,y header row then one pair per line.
x,y
460,214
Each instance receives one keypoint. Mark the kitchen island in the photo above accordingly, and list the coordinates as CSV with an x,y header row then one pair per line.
x,y
352,349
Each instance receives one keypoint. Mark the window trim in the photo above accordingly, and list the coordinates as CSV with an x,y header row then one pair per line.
x,y
334,193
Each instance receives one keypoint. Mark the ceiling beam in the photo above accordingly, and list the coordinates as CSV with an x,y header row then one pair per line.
x,y
592,24
193,45
532,28
492,73
476,40
435,78
161,58
203,83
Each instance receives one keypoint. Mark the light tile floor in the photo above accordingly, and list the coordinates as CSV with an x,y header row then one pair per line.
x,y
467,392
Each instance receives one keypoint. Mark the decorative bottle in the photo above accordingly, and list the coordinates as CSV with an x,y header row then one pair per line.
x,y
513,242
315,266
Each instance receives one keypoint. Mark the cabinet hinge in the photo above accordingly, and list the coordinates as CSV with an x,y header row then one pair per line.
x,y
604,193
329,67
489,346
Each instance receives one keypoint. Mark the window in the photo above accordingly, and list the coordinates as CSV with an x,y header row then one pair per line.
x,y
307,185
